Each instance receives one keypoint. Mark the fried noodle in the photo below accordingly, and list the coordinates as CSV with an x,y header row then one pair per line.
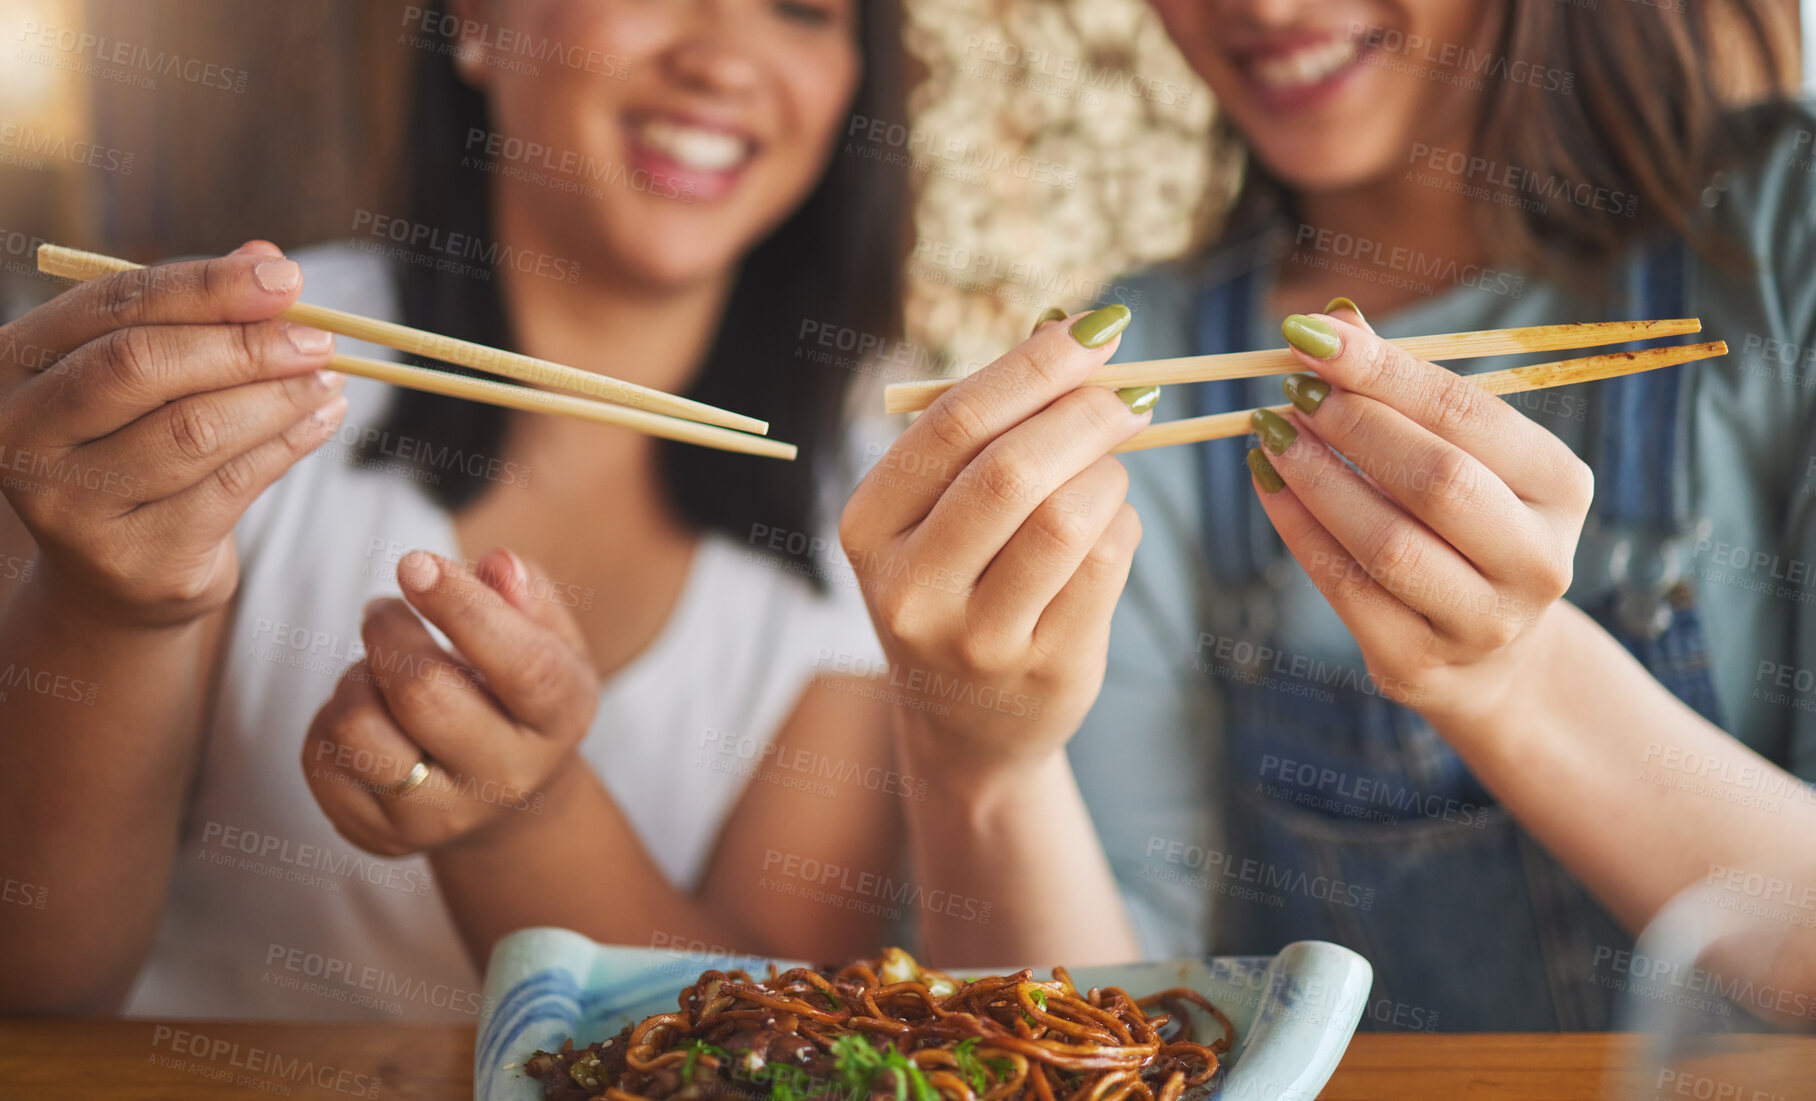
x,y
888,1029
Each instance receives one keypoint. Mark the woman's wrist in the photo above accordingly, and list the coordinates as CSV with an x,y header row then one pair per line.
x,y
1523,702
978,787
541,813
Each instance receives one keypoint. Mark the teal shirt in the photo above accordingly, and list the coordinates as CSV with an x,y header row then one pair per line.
x,y
1148,755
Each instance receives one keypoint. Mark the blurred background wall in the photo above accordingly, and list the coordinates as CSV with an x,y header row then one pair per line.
x,y
1054,143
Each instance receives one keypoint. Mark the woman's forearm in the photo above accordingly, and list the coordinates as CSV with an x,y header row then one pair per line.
x,y
1011,869
574,863
1622,782
99,731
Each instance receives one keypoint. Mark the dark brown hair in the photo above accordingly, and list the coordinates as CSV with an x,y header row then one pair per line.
x,y
1648,114
838,260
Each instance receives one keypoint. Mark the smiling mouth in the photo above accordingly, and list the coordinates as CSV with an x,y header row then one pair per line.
x,y
691,147
1293,74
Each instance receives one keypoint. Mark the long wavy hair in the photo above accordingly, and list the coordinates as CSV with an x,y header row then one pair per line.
x,y
838,259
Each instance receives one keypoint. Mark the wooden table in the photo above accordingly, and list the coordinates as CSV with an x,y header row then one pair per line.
x,y
109,1060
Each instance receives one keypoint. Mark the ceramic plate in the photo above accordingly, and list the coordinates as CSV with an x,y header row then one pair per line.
x,y
1294,1013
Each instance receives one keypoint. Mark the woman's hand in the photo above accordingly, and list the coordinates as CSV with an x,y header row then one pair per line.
x,y
1446,555
143,412
992,542
493,726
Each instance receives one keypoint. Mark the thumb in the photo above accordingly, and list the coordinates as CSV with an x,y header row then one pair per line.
x,y
1353,311
527,588
257,248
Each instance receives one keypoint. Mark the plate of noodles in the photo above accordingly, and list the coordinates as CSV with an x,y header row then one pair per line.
x,y
567,1019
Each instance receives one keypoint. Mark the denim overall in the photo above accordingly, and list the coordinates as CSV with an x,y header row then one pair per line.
x,y
1387,843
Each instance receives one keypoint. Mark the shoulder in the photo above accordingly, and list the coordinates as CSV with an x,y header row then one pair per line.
x,y
1766,200
1763,301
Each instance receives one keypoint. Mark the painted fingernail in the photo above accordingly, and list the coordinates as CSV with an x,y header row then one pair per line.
x,y
1276,435
1265,475
277,276
1099,327
1054,313
310,342
1307,392
1342,303
418,571
1314,336
1140,399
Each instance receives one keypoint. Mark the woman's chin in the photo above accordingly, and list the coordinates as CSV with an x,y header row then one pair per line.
x,y
674,268
1313,168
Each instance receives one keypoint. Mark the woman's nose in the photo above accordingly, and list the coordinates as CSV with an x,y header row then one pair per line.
x,y
708,52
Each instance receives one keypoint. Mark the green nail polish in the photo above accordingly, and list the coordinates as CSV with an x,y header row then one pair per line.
x,y
1314,336
1054,313
1264,472
1099,327
1140,399
1306,391
1276,435
1342,303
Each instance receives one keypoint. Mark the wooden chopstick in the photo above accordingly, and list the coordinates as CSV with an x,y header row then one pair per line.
x,y
908,397
1564,372
72,263
567,405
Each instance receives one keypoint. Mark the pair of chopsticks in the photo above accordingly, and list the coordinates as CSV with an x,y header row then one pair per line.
x,y
907,397
624,403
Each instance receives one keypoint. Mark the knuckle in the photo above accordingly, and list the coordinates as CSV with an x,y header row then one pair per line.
x,y
1452,477
1453,404
1100,410
122,296
1065,529
547,673
1499,630
1343,417
133,356
1578,480
978,651
957,423
1117,546
195,430
853,534
188,587
1374,362
1006,476
897,608
1553,575
236,478
1038,361
1396,551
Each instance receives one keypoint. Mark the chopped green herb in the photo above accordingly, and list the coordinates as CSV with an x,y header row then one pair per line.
x,y
786,1083
696,1048
858,1063
1040,998
969,1065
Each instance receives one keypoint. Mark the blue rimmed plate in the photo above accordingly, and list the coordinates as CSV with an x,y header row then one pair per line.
x,y
1294,1013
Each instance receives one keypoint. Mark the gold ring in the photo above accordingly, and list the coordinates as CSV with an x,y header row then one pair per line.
x,y
419,773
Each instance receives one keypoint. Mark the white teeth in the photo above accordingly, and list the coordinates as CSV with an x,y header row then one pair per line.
x,y
1306,67
693,146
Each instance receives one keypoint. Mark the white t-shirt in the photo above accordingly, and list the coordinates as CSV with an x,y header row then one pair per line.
x,y
270,912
